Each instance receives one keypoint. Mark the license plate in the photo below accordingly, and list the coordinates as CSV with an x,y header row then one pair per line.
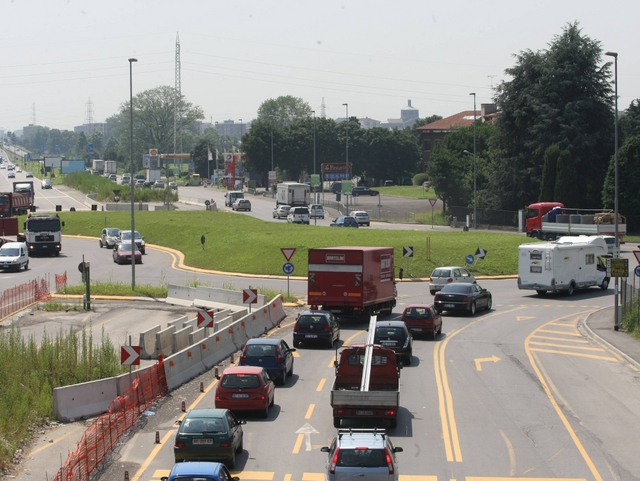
x,y
416,329
240,395
388,343
311,336
449,305
203,441
364,413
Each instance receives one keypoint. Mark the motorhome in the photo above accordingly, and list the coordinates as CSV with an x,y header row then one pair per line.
x,y
566,264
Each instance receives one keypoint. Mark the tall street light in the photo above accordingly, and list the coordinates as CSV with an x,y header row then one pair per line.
x,y
346,162
615,154
475,200
133,222
314,141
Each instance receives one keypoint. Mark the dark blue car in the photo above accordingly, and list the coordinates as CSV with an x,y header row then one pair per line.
x,y
274,355
344,221
199,470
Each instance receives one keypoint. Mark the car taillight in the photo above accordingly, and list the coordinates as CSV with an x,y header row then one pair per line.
x,y
243,359
296,328
218,397
389,460
334,461
465,298
437,297
450,279
278,356
225,444
327,328
430,279
263,397
180,445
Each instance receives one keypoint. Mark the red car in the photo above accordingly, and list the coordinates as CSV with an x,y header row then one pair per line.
x,y
122,253
245,388
422,320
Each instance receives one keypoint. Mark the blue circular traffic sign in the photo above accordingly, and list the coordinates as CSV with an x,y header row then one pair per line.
x,y
637,271
287,268
469,259
207,203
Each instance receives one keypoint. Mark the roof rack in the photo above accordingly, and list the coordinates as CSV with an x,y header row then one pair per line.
x,y
351,431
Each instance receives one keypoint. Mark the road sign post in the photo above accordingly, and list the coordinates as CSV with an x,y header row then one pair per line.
x,y
250,296
432,201
407,251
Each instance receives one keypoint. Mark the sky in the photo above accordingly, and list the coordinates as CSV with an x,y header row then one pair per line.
x,y
58,57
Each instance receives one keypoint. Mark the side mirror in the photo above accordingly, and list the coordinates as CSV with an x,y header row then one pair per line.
x,y
335,363
398,450
324,449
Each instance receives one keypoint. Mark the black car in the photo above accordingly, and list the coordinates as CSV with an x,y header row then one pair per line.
x,y
395,335
316,327
356,191
344,221
462,297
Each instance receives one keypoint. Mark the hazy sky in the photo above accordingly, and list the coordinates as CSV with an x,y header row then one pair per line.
x,y
374,55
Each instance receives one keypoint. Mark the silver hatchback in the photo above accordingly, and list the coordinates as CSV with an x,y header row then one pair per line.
x,y
361,453
441,276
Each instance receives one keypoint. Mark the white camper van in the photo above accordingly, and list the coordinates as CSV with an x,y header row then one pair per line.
x,y
566,264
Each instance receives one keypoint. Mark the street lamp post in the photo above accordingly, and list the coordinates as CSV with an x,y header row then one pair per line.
x,y
234,175
616,254
346,162
315,196
475,200
133,222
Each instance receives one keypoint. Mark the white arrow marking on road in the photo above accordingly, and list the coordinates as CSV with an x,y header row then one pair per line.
x,y
307,430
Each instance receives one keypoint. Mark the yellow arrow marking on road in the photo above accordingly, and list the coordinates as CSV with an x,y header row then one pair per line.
x,y
480,360
524,318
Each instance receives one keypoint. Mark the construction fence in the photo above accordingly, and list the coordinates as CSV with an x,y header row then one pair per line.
x,y
19,297
107,430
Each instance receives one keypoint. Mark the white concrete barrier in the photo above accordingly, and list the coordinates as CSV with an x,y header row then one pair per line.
x,y
180,295
196,336
257,322
124,381
217,347
180,339
178,322
148,343
239,314
83,400
239,333
183,366
212,296
193,323
164,341
276,311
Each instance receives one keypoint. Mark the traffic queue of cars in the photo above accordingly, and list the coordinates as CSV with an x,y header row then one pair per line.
x,y
120,243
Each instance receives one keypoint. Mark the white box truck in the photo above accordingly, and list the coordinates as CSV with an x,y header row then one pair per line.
x,y
231,196
293,194
110,167
566,264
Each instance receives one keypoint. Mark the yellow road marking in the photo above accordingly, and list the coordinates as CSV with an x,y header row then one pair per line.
x,y
152,455
577,354
493,478
296,447
48,445
512,453
287,477
255,475
309,411
563,333
524,318
553,344
556,407
416,477
312,477
321,385
583,341
480,360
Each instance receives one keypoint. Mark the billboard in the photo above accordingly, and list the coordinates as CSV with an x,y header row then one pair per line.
x,y
69,166
333,171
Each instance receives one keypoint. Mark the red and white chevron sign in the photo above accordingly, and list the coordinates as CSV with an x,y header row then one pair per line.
x,y
205,319
250,296
130,355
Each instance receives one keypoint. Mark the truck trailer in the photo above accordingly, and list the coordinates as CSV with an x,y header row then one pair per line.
x,y
564,265
97,167
380,400
12,204
550,220
352,281
293,194
110,167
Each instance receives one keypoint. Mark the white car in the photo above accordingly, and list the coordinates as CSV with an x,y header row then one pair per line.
x,y
281,211
316,211
241,204
361,217
298,215
441,276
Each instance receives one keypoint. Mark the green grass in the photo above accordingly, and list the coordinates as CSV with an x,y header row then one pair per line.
x,y
409,191
238,243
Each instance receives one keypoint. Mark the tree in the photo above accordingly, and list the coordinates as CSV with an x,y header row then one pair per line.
x,y
283,111
153,120
81,146
549,171
629,122
628,173
566,188
559,96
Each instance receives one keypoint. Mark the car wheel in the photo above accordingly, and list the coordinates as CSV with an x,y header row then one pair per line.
x,y
26,266
273,400
489,302
240,446
407,359
330,342
433,293
283,381
605,284
231,464
440,329
336,422
290,373
473,308
265,412
572,289
541,292
101,246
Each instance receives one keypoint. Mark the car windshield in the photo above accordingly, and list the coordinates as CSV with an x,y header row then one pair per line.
x,y
240,381
458,288
260,350
9,252
362,458
113,232
124,247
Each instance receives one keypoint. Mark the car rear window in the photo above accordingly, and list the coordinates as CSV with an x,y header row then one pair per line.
x,y
362,458
300,210
201,425
441,273
312,321
240,381
257,350
417,313
390,333
457,288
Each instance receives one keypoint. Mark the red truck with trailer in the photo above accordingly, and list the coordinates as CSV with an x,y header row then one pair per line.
x,y
550,220
352,281
13,204
379,401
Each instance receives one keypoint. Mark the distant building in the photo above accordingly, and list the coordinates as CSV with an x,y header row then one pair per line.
x,y
26,131
434,132
368,123
232,129
408,116
88,129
